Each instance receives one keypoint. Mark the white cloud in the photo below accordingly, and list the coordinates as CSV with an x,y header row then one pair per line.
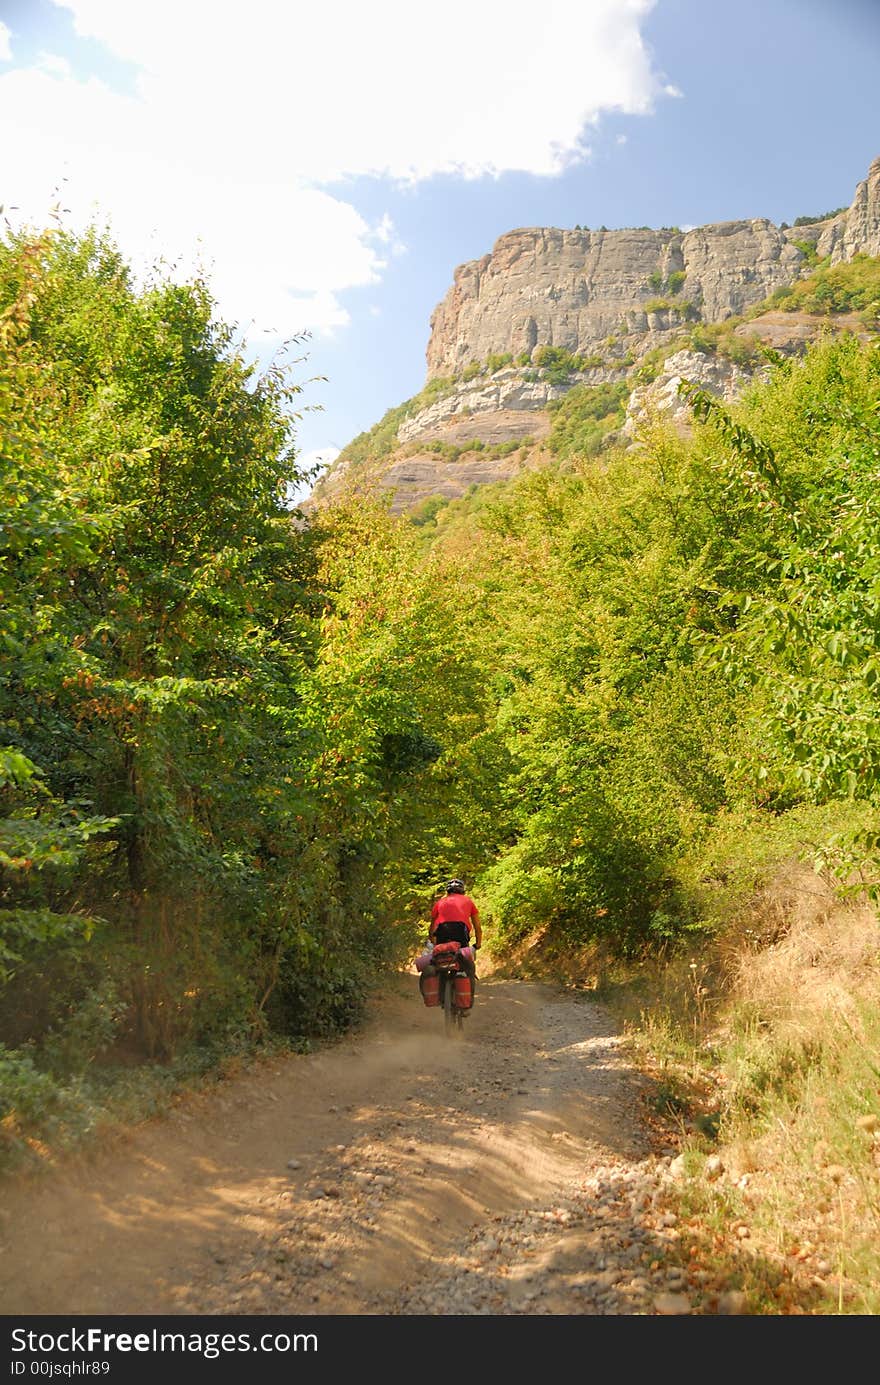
x,y
319,456
278,252
5,45
240,121
307,464
391,88
55,65
386,235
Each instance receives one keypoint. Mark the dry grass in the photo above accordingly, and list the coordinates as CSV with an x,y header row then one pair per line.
x,y
764,1037
781,1015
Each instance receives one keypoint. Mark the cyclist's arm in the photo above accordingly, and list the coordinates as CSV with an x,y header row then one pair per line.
x,y
478,928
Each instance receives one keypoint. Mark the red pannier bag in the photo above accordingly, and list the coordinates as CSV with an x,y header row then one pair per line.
x,y
445,954
462,996
430,988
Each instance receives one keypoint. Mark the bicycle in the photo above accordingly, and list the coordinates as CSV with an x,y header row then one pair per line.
x,y
456,995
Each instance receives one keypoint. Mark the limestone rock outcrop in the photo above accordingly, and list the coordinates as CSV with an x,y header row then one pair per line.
x,y
612,304
857,230
575,289
543,286
497,409
714,374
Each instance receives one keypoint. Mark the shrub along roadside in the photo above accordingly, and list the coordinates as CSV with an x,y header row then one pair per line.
x,y
216,724
256,746
760,1032
762,1037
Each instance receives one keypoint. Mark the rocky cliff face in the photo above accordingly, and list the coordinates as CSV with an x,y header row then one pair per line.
x,y
605,300
504,407
856,231
575,289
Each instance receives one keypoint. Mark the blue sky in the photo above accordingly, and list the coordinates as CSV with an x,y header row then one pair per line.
x,y
329,167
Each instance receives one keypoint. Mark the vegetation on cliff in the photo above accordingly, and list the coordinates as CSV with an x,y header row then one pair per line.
x,y
583,418
379,442
850,287
824,290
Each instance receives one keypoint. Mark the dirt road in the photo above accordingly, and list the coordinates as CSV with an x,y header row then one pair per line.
x,y
394,1172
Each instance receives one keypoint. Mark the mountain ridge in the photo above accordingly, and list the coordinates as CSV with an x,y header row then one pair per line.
x,y
549,311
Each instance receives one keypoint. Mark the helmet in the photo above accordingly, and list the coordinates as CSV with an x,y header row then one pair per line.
x,y
455,887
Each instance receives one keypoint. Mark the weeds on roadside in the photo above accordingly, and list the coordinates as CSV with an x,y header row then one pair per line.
x,y
762,1040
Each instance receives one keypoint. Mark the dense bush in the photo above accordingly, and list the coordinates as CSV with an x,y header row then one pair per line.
x,y
583,418
239,752
852,287
722,339
207,823
688,632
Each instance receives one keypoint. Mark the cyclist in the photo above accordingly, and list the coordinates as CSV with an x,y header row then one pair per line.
x,y
452,918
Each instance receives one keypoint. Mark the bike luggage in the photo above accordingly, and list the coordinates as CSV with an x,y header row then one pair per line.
x,y
446,955
430,988
462,996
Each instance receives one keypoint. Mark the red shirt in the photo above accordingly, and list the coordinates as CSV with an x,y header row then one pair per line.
x,y
454,908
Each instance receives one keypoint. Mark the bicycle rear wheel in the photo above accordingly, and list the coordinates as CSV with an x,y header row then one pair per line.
x,y
450,1016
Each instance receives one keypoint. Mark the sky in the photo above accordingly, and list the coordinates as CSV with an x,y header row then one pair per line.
x,y
327,166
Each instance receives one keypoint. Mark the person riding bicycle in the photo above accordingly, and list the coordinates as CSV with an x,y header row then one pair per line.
x,y
452,917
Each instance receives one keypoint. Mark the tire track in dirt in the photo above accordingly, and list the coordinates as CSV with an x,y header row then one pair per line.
x,y
396,1171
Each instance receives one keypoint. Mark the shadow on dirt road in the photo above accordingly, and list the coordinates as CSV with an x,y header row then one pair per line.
x,y
396,1171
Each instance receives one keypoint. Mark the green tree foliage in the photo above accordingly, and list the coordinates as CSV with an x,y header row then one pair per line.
x,y
213,731
558,365
238,752
684,634
170,653
597,611
671,284
811,220
722,339
805,635
497,360
679,308
584,417
853,287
